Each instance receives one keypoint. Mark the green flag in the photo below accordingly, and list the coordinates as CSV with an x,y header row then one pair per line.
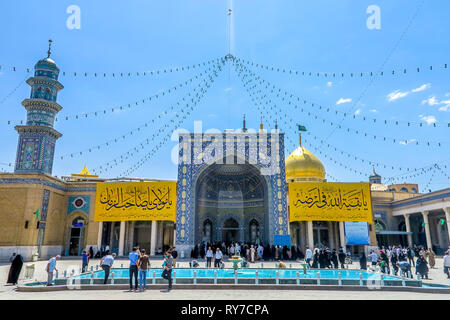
x,y
301,128
37,214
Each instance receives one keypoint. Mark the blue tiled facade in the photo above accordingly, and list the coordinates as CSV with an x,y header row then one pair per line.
x,y
192,164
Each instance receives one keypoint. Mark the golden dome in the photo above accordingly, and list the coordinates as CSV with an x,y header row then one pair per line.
x,y
302,164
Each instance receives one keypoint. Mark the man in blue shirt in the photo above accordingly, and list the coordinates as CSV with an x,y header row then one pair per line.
x,y
134,257
85,259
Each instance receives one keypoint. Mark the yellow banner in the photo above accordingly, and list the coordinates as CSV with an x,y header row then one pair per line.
x,y
330,201
130,201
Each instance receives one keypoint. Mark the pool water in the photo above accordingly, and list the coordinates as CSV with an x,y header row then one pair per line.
x,y
247,273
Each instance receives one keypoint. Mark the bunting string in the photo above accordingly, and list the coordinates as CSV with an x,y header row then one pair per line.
x,y
258,102
346,74
156,148
126,106
114,75
186,110
348,115
255,79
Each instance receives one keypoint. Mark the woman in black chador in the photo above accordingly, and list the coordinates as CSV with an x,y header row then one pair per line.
x,y
363,261
14,271
315,260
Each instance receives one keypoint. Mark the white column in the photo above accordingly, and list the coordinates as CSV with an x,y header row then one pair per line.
x,y
121,237
309,226
342,235
174,237
336,235
427,229
153,238
447,217
331,244
160,237
99,235
408,229
439,234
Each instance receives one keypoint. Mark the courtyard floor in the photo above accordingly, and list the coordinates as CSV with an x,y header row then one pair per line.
x,y
436,276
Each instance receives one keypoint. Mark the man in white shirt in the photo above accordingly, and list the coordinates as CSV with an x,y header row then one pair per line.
x,y
308,256
374,258
447,264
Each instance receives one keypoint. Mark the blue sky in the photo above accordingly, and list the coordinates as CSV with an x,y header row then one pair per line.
x,y
317,36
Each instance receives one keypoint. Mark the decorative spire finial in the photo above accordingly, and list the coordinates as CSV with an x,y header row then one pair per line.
x,y
276,124
244,129
49,52
261,124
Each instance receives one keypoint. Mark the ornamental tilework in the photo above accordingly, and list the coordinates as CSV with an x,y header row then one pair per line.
x,y
47,184
45,201
192,164
35,153
78,203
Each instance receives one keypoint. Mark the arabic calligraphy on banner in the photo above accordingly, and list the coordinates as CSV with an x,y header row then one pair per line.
x,y
330,201
130,201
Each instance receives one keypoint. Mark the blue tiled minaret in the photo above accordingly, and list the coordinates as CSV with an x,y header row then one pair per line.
x,y
36,147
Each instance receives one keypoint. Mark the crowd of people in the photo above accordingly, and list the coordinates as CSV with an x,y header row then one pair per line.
x,y
401,259
396,259
250,252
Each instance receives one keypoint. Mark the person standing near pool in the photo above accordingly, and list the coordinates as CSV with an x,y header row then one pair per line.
x,y
143,263
106,264
447,264
167,269
218,258
373,258
308,256
133,257
209,256
85,261
51,266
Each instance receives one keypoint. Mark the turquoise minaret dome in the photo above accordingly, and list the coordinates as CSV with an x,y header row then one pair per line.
x,y
37,139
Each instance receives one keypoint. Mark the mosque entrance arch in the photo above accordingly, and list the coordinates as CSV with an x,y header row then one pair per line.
x,y
230,231
227,198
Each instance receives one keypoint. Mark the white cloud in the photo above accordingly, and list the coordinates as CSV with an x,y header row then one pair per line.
x,y
431,101
373,110
342,100
357,112
329,84
407,141
397,94
428,119
422,87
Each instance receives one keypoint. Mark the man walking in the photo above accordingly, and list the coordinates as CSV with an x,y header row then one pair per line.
x,y
51,266
133,257
106,264
167,271
143,263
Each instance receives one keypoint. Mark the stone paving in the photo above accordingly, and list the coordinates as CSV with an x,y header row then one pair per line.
x,y
436,275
